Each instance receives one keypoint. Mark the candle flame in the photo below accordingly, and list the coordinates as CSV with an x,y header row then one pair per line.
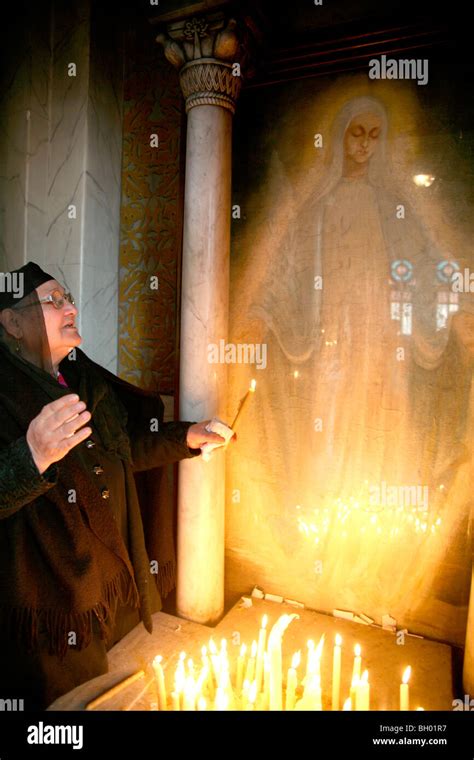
x,y
253,651
365,677
212,647
264,621
319,648
182,656
243,649
296,659
357,650
354,683
347,704
157,659
310,644
420,709
296,374
406,674
201,703
204,651
253,385
338,640
224,644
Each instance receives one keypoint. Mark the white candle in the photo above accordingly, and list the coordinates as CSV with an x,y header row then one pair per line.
x,y
309,663
180,678
317,656
240,669
206,674
215,660
363,692
262,637
222,700
353,692
266,681
312,699
336,673
189,696
292,682
245,695
356,670
252,696
274,652
250,671
160,682
404,690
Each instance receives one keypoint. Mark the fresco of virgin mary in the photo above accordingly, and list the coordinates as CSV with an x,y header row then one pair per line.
x,y
360,419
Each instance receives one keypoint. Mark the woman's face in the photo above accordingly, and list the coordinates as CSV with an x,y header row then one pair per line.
x,y
60,323
361,137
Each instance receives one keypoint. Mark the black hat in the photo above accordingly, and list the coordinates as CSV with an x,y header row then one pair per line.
x,y
19,283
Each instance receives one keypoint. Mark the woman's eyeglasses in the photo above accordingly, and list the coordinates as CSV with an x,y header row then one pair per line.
x,y
58,299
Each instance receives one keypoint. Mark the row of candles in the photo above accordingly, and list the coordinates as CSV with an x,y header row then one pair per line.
x,y
258,683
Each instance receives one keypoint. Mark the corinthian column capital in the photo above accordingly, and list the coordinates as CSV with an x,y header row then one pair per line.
x,y
211,52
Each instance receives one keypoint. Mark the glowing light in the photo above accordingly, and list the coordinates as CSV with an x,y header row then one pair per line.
x,y
423,180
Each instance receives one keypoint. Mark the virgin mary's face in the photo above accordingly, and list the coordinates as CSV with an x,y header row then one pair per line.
x,y
361,137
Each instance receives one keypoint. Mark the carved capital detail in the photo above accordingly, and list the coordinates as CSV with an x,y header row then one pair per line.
x,y
212,53
209,82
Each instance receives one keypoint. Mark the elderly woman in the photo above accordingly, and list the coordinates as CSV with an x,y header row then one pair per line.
x,y
75,573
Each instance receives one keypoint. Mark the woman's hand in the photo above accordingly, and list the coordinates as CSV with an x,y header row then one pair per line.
x,y
198,436
56,430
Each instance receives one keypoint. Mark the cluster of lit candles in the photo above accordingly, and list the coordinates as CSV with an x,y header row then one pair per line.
x,y
257,682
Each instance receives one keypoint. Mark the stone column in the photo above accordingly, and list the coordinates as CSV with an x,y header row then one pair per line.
x,y
206,49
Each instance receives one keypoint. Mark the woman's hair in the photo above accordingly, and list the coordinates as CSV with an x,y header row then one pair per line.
x,y
33,321
378,170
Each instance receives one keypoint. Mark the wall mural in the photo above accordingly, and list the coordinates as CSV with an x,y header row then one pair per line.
x,y
150,218
351,486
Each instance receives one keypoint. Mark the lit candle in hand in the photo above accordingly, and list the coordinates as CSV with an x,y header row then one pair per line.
x,y
336,673
404,690
243,401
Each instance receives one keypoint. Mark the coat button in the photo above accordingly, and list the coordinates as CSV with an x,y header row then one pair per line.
x,y
105,493
90,444
98,470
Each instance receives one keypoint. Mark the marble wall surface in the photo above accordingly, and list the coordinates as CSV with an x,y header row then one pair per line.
x,y
60,147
